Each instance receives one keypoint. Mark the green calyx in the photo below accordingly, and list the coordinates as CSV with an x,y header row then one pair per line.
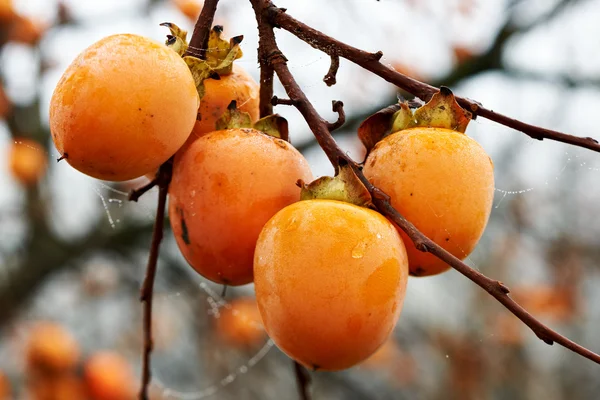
x,y
220,54
442,111
345,186
273,125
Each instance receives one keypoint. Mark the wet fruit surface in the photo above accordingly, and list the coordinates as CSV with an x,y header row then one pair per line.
x,y
123,107
226,185
440,180
238,86
330,280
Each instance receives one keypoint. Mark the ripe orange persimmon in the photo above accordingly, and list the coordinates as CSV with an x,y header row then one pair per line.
x,y
61,387
123,107
5,104
330,280
26,30
51,348
7,12
226,185
189,8
108,376
4,387
440,180
27,161
238,86
240,323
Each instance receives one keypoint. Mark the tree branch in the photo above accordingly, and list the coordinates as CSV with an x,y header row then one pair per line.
x,y
370,61
319,127
199,41
266,70
198,46
163,180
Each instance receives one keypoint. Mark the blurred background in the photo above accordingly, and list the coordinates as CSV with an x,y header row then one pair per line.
x,y
73,250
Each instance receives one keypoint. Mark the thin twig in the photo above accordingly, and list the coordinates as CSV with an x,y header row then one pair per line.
x,y
319,127
277,101
146,293
370,62
338,107
135,194
330,79
198,41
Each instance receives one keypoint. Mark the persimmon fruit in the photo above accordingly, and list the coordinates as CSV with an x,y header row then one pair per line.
x,y
240,323
60,387
440,180
330,280
238,86
26,30
4,387
225,187
189,8
5,103
27,161
108,376
123,107
7,11
51,348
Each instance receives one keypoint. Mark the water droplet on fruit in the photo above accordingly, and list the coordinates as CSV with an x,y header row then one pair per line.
x,y
359,250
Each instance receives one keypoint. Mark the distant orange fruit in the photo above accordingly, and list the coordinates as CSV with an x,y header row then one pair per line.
x,y
240,323
26,30
51,348
5,104
7,12
108,376
4,387
123,108
330,280
28,161
189,8
60,387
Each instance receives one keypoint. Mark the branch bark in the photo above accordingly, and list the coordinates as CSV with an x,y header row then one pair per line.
x,y
197,46
370,61
147,291
319,127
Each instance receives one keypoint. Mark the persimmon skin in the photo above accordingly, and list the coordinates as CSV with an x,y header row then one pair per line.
x,y
440,180
51,349
123,107
240,323
238,86
330,280
27,161
4,387
108,376
225,187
